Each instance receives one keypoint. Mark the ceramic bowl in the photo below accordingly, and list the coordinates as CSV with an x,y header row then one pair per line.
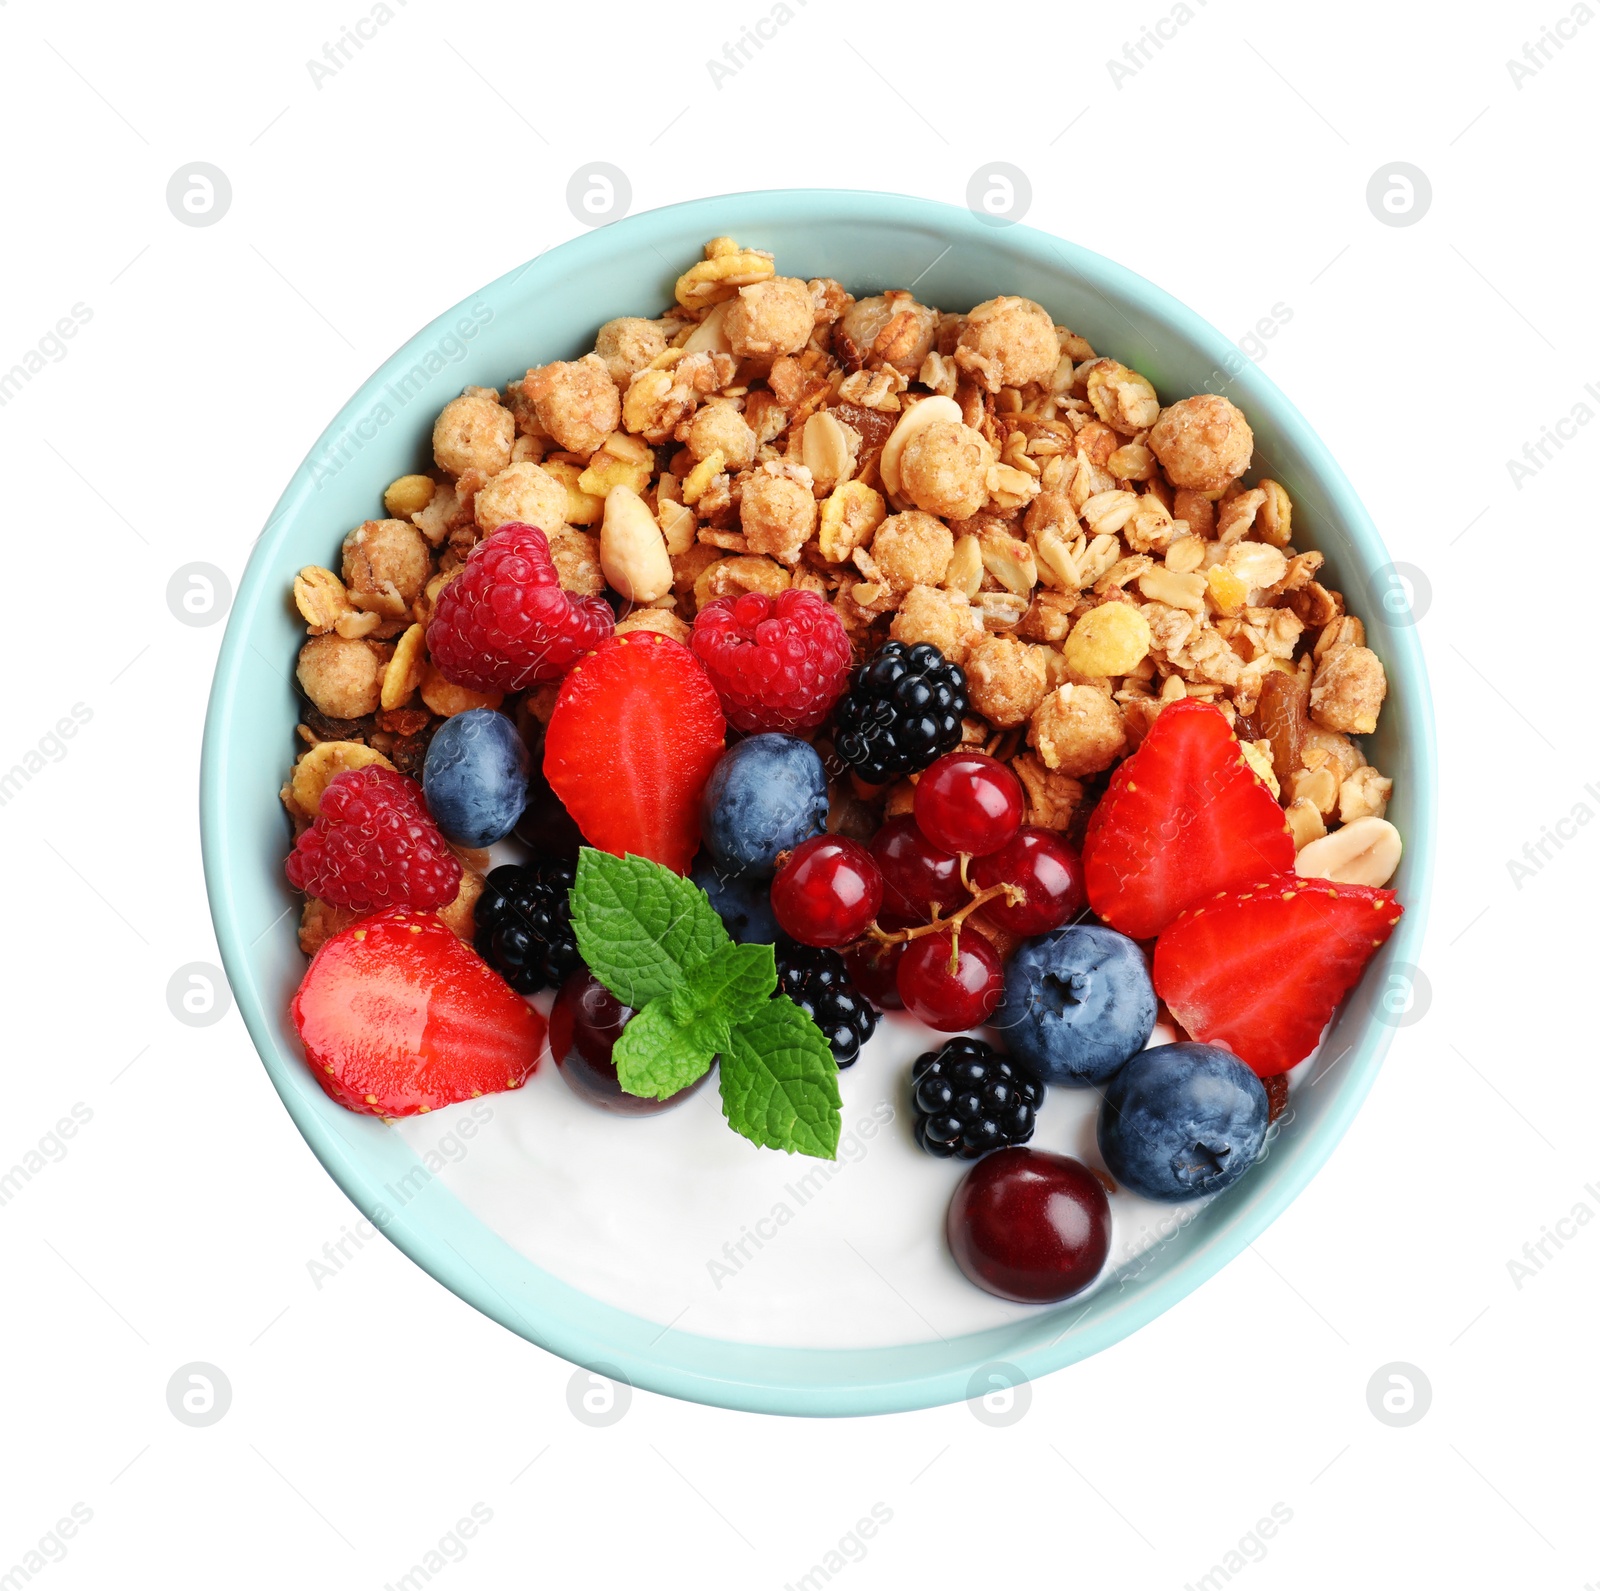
x,y
549,309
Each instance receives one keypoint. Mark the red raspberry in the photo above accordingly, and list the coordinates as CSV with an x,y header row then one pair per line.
x,y
776,664
504,623
374,845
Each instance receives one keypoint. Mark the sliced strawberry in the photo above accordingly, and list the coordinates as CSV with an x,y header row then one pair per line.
x,y
398,1016
634,736
1182,818
1261,970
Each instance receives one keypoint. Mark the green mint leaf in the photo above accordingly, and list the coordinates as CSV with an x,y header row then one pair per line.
x,y
720,992
780,1087
694,1021
640,927
656,1056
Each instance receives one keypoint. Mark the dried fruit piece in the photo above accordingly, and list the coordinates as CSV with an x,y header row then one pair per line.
x,y
1282,719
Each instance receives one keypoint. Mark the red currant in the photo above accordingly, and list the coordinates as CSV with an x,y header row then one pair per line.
x,y
950,1001
969,802
1048,871
917,876
1031,1226
873,969
828,891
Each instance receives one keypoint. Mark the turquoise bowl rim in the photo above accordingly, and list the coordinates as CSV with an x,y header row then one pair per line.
x,y
435,1230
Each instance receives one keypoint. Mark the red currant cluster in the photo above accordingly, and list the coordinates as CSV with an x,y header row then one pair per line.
x,y
899,906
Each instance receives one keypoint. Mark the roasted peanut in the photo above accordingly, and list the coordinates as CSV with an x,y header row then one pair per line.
x,y
1366,851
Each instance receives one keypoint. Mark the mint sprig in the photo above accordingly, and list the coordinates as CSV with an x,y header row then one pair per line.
x,y
653,939
639,926
780,1086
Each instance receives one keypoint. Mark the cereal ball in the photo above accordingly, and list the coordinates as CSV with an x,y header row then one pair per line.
x,y
1108,641
473,432
1008,342
1078,730
626,345
577,403
777,515
889,329
524,493
1348,691
386,559
944,469
1203,442
769,318
342,678
945,619
577,560
1006,680
718,427
657,619
912,549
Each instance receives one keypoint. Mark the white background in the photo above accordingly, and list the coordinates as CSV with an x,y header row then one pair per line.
x,y
369,1415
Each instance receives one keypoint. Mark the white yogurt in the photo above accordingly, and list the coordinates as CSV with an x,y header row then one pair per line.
x,y
678,1219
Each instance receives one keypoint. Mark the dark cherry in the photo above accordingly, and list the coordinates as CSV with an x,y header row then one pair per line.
x,y
1048,870
1029,1225
873,968
917,875
585,1023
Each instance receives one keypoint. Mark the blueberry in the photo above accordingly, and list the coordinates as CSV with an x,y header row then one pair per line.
x,y
766,795
1078,1002
1181,1120
475,780
740,901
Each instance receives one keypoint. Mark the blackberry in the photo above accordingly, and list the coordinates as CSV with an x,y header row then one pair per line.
x,y
903,710
525,924
817,982
967,1098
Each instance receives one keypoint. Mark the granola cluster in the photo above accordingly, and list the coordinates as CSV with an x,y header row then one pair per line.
x,y
981,481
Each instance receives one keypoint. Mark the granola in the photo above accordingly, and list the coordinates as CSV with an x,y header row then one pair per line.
x,y
983,482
